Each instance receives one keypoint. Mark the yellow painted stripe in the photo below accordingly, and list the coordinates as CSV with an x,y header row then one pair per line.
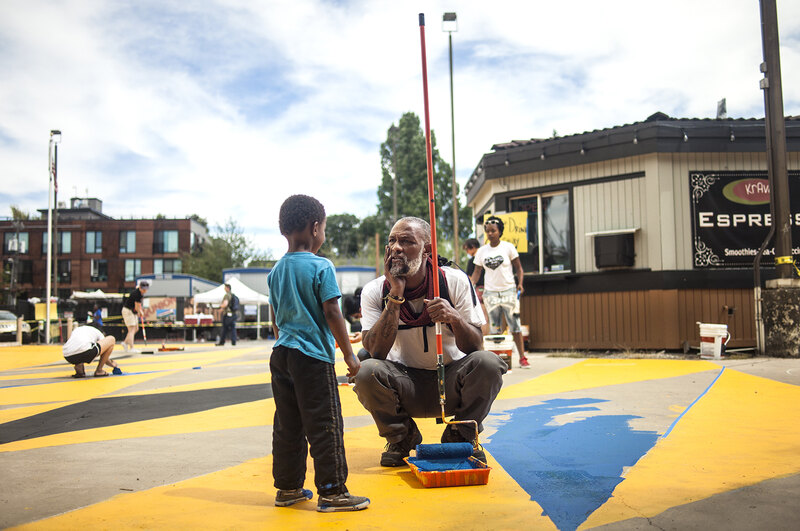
x,y
16,413
590,373
248,379
29,355
72,390
257,413
242,497
742,432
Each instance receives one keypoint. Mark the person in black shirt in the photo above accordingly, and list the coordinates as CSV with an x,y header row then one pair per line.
x,y
471,247
132,312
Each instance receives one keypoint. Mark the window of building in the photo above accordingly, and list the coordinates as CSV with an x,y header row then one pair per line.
x,y
133,268
127,241
94,242
165,241
161,266
64,243
548,224
22,269
15,242
64,271
25,271
99,270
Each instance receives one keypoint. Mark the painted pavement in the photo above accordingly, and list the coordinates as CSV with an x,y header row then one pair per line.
x,y
182,440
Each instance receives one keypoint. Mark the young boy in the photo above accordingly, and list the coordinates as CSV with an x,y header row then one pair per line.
x,y
304,299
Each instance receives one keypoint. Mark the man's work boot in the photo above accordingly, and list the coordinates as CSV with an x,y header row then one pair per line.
x,y
395,452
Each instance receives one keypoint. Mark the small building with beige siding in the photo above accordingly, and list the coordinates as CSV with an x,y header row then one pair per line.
x,y
637,232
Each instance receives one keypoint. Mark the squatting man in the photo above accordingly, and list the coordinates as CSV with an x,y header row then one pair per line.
x,y
399,382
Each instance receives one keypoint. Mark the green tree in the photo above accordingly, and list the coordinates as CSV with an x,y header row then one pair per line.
x,y
226,248
200,220
342,237
405,183
18,214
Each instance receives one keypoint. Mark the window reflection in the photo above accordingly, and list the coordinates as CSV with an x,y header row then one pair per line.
x,y
548,222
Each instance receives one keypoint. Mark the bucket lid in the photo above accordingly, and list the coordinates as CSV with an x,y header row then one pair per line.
x,y
710,327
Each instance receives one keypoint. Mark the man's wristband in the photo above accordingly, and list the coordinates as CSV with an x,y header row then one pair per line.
x,y
395,299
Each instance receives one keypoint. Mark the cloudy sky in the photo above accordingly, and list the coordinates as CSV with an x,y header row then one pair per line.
x,y
224,108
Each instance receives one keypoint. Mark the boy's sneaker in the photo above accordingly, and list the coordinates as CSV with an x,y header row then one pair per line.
x,y
341,502
285,498
395,452
523,362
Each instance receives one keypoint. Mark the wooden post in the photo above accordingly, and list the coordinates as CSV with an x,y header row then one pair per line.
x,y
378,270
19,330
69,327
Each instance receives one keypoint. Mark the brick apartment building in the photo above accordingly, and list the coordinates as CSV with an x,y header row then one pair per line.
x,y
93,250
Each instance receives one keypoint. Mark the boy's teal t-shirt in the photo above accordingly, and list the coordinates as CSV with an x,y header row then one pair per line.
x,y
298,285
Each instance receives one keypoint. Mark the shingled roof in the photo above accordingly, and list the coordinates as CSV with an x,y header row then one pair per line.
x,y
657,133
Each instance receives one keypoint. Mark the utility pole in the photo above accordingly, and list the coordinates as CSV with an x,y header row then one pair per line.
x,y
779,309
776,138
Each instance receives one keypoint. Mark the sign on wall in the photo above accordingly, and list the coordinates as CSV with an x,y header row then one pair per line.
x,y
515,229
731,217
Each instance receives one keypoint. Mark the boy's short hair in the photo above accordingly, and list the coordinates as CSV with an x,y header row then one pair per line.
x,y
497,222
297,212
472,243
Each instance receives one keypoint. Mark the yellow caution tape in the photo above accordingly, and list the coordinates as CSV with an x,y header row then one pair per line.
x,y
780,260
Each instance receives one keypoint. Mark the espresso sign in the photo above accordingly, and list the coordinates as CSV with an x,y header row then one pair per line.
x,y
731,217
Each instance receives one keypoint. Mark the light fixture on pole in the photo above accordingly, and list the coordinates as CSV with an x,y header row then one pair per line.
x,y
52,170
450,24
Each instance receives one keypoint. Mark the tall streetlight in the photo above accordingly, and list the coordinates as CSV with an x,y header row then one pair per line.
x,y
52,170
450,24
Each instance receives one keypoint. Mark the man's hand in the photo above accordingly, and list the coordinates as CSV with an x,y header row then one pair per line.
x,y
397,285
467,335
442,311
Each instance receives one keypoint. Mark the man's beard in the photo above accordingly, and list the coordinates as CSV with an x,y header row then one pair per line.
x,y
406,268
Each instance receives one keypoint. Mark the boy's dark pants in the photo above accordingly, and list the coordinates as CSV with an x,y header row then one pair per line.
x,y
307,408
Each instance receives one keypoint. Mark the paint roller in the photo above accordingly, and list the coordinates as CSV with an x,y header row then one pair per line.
x,y
446,448
144,334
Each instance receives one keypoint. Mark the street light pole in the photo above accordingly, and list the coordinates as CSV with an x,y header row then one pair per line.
x,y
450,24
55,138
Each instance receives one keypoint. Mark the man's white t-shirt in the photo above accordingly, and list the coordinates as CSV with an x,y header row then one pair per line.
x,y
416,347
82,339
496,261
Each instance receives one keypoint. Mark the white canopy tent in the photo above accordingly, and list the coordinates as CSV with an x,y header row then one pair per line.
x,y
246,296
96,294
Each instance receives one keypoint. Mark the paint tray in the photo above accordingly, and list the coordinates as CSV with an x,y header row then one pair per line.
x,y
465,472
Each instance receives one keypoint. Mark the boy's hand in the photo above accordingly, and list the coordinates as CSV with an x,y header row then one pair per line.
x,y
353,364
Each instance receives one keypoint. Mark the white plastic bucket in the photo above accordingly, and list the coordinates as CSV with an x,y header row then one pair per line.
x,y
502,345
711,340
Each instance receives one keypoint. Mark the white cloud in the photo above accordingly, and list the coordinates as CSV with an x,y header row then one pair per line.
x,y
225,108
